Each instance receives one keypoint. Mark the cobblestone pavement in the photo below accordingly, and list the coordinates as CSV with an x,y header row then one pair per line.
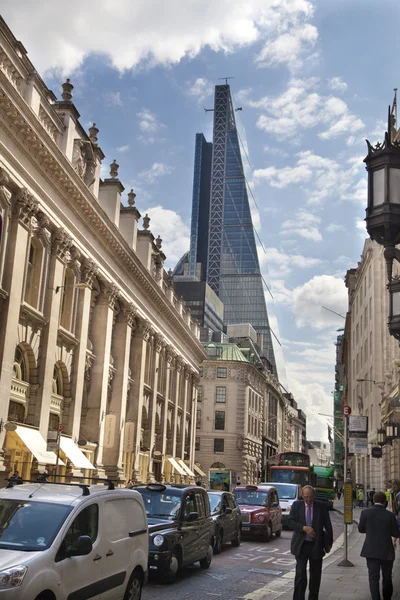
x,y
250,572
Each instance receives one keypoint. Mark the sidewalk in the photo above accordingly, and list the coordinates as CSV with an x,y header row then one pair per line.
x,y
345,583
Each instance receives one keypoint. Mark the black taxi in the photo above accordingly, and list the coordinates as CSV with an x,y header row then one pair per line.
x,y
181,529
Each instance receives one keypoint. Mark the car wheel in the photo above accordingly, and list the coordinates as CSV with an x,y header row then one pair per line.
x,y
134,589
206,561
218,542
172,569
238,537
268,533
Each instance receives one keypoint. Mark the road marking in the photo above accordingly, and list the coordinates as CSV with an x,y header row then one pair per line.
x,y
218,577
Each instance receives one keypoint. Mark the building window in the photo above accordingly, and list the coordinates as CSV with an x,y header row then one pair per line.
x,y
34,273
54,421
219,444
198,419
199,394
20,365
221,372
16,412
67,300
220,394
219,420
197,445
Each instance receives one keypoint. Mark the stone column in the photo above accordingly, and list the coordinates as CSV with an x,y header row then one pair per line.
x,y
121,347
195,384
61,244
186,375
169,355
158,343
138,352
178,368
88,272
24,207
101,336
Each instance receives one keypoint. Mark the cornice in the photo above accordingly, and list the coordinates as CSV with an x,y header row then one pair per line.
x,y
36,143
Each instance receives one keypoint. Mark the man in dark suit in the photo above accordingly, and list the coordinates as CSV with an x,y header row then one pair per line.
x,y
312,537
381,526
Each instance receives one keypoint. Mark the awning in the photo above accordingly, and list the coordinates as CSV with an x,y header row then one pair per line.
x,y
74,454
177,467
199,471
37,445
186,468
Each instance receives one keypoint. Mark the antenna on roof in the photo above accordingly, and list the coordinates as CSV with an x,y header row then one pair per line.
x,y
226,79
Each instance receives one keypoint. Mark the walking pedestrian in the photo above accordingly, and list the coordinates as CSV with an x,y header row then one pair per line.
x,y
380,527
312,537
360,498
371,496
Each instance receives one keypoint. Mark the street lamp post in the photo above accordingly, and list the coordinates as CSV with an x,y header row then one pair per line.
x,y
383,211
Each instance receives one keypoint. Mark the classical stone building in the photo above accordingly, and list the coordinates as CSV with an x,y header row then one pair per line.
x,y
371,359
93,337
242,416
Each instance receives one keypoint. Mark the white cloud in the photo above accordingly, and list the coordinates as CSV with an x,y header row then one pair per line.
x,y
305,225
122,149
156,170
301,107
173,231
275,151
320,177
281,294
201,89
149,140
310,298
164,33
378,133
333,227
282,264
148,122
289,47
337,84
113,99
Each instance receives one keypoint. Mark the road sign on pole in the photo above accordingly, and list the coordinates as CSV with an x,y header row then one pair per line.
x,y
346,411
348,490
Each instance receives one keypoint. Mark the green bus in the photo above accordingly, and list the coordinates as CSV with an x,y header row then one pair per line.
x,y
323,480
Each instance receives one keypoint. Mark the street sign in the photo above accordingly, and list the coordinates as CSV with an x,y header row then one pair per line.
x,y
346,411
60,427
376,452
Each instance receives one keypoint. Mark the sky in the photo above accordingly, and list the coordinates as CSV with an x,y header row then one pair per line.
x,y
314,80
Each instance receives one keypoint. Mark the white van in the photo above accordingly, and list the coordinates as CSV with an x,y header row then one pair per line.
x,y
64,541
287,493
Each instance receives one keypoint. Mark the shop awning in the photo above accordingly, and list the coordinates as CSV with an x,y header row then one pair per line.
x,y
177,467
186,468
199,471
37,445
74,453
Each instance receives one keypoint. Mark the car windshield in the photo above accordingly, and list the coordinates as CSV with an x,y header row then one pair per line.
x,y
161,504
30,526
215,502
253,497
286,492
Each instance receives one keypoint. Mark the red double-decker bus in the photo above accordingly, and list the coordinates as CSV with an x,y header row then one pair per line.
x,y
289,467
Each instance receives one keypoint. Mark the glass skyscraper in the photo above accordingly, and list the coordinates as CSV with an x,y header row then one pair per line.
x,y
222,244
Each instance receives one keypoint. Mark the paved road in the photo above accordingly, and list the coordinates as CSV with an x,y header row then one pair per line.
x,y
236,572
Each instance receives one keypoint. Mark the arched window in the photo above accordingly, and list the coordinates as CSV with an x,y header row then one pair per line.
x,y
21,370
34,273
58,382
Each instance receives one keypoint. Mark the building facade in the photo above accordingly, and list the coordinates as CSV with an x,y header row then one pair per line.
x,y
242,415
320,454
95,343
372,360
222,245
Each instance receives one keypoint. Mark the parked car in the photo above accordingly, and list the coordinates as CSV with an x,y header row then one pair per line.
x,y
288,493
66,541
261,513
181,529
227,519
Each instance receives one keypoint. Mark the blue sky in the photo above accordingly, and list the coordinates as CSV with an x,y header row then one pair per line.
x,y
314,80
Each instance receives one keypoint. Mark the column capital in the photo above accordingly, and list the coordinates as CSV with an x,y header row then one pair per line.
x,y
127,314
196,379
179,364
109,294
187,372
170,354
144,330
4,177
25,207
89,270
159,342
61,244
